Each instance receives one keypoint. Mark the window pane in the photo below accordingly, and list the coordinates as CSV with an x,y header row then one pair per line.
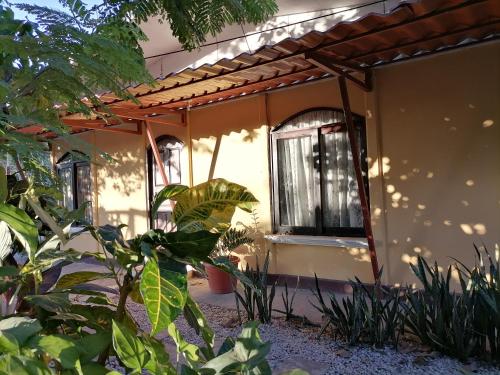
x,y
158,179
312,119
174,164
66,175
84,190
341,204
296,182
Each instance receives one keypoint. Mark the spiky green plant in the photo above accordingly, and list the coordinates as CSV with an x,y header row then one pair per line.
x,y
439,316
256,298
372,314
288,301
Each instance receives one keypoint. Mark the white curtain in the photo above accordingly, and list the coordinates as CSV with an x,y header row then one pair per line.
x,y
341,204
298,161
296,182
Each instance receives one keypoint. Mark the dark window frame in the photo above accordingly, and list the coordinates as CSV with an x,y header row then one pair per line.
x,y
151,162
315,134
68,161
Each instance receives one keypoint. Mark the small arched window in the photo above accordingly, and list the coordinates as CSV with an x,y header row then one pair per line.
x,y
314,183
74,171
170,149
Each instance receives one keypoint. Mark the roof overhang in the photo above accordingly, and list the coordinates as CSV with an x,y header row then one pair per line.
x,y
349,49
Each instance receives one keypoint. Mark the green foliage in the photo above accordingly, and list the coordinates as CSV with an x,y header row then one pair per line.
x,y
256,298
461,324
288,301
247,356
210,205
150,269
61,61
231,240
164,293
192,21
370,315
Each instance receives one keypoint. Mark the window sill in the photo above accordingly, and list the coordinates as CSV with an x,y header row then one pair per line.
x,y
317,240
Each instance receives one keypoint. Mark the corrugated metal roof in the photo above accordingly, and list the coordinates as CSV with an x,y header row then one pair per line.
x,y
410,30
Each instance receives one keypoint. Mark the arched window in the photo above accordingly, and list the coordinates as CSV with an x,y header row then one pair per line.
x,y
74,172
314,183
170,149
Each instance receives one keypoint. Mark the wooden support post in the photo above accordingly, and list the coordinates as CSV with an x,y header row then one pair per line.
x,y
156,153
351,132
187,120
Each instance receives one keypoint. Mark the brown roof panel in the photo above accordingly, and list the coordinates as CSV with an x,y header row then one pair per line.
x,y
409,30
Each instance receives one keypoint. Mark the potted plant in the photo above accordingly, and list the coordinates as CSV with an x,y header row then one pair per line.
x,y
219,281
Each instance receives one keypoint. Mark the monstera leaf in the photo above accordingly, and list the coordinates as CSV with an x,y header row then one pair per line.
x,y
210,205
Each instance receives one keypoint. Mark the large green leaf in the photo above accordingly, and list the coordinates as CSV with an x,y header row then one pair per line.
x,y
93,368
196,245
188,350
164,293
46,218
210,205
197,320
91,346
8,343
248,355
5,241
22,226
20,365
168,192
53,302
59,347
53,242
129,348
159,363
76,278
21,328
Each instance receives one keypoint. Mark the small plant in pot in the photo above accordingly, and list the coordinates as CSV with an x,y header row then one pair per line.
x,y
219,281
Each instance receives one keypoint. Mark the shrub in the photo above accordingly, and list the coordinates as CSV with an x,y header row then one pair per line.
x,y
48,332
371,315
440,317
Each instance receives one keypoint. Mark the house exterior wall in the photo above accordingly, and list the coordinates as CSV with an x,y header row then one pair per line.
x,y
433,133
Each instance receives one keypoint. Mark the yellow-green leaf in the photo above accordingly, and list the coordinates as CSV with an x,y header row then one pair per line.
x,y
23,227
164,293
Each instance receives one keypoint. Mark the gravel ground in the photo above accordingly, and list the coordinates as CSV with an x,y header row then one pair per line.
x,y
294,346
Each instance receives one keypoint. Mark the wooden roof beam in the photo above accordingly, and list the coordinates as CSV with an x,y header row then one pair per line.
x,y
92,125
335,67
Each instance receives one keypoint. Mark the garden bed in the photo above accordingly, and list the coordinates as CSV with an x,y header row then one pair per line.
x,y
296,345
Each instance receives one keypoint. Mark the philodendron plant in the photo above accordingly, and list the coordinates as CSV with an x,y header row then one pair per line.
x,y
53,333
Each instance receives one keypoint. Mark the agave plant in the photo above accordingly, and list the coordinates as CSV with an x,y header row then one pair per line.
x,y
256,298
484,285
372,315
440,317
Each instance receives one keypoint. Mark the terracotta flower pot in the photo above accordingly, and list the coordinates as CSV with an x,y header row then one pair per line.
x,y
221,282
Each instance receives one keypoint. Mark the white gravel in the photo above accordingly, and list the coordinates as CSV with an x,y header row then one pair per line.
x,y
294,345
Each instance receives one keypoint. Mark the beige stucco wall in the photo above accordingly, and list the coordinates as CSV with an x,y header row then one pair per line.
x,y
440,121
434,153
